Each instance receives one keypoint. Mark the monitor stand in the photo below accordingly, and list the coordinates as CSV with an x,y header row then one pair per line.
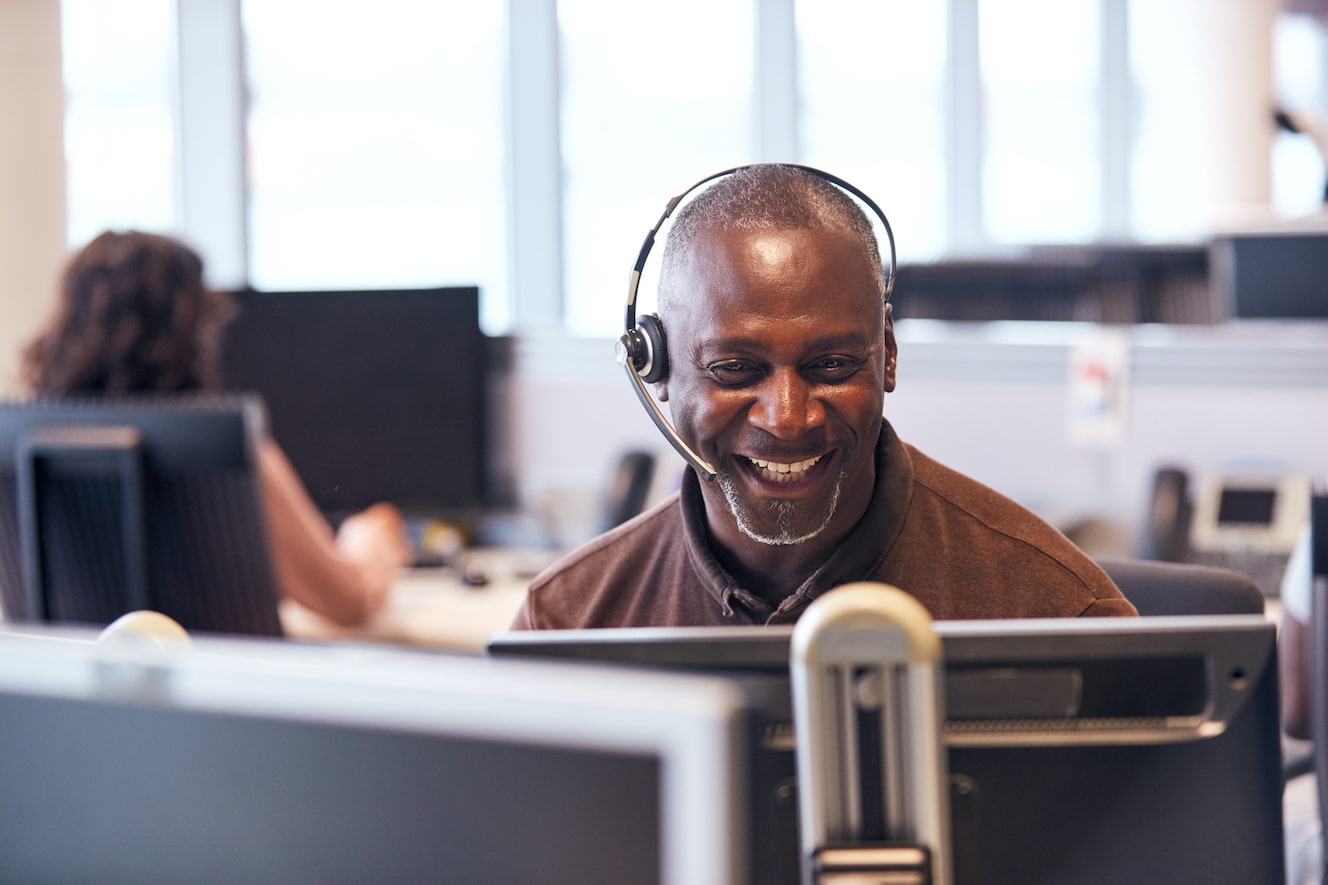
x,y
873,800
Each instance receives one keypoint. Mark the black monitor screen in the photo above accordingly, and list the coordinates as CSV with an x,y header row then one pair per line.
x,y
1246,506
373,395
1275,276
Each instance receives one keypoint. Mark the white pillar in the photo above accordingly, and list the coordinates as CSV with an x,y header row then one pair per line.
x,y
32,174
1233,42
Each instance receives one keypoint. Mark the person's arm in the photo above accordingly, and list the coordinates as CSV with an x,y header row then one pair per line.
x,y
343,577
523,620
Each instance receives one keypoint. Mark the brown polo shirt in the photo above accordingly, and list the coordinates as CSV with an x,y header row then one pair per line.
x,y
963,550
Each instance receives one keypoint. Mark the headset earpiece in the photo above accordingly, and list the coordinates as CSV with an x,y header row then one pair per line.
x,y
656,367
645,349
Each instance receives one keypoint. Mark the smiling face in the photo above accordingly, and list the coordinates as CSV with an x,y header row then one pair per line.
x,y
781,353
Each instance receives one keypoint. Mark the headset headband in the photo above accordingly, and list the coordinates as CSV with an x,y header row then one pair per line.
x,y
642,351
673,204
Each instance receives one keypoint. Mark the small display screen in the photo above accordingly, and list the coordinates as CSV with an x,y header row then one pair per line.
x,y
1246,506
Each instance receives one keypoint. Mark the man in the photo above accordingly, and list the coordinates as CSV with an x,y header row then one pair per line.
x,y
780,352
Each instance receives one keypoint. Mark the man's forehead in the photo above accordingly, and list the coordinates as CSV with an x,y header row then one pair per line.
x,y
753,318
749,278
776,251
772,246
795,339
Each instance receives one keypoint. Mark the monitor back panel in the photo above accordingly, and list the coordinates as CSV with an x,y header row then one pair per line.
x,y
111,793
1091,751
373,395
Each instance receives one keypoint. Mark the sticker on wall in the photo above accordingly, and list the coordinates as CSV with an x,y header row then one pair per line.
x,y
1099,388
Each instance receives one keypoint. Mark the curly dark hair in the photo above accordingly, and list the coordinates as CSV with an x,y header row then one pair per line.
x,y
134,316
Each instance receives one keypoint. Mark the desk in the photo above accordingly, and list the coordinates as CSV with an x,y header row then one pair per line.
x,y
432,606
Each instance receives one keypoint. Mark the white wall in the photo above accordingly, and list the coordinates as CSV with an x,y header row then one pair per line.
x,y
32,174
988,403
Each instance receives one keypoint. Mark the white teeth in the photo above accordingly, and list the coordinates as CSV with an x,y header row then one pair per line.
x,y
778,472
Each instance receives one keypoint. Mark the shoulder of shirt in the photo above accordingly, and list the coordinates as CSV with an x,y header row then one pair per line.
x,y
1003,516
978,501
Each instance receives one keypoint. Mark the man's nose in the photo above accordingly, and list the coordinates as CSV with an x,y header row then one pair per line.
x,y
786,406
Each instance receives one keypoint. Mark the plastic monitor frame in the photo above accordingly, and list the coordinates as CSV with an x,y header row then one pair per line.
x,y
238,760
1091,751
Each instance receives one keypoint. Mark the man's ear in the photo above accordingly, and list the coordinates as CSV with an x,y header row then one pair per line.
x,y
891,347
662,390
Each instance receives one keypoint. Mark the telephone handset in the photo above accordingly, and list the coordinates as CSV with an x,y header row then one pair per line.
x,y
1246,520
1170,512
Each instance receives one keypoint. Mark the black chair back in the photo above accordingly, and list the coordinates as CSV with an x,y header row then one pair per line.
x,y
1172,588
629,489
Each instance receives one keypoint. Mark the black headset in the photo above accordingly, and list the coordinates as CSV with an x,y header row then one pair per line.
x,y
643,348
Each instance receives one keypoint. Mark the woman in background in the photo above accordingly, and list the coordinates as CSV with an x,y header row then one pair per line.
x,y
135,317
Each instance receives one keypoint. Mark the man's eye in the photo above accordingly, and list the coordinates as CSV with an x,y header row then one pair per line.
x,y
732,372
835,368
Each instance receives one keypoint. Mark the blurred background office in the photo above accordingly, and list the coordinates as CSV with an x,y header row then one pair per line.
x,y
525,147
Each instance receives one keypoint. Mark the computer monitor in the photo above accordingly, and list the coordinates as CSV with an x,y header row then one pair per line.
x,y
1092,751
1277,275
243,761
110,504
373,395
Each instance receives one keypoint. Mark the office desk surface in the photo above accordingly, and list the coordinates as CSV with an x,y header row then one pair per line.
x,y
435,607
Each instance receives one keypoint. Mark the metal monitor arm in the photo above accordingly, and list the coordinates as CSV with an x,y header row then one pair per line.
x,y
867,713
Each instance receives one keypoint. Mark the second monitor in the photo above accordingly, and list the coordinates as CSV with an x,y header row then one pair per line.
x,y
373,395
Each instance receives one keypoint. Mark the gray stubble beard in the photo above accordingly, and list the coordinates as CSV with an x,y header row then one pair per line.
x,y
784,511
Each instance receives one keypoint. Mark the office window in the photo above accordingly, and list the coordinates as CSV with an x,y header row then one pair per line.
x,y
1041,159
872,106
119,74
376,146
379,147
654,97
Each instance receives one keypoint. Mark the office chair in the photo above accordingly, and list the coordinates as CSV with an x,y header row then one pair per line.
x,y
1172,588
112,505
629,489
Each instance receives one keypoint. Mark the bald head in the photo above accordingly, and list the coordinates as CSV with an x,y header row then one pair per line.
x,y
764,197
